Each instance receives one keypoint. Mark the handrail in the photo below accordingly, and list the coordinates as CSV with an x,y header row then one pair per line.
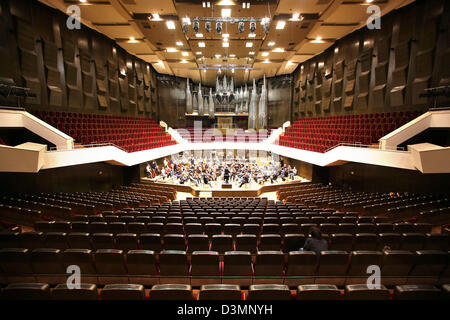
x,y
90,145
361,145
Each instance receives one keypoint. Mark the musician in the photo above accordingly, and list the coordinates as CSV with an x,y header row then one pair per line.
x,y
226,175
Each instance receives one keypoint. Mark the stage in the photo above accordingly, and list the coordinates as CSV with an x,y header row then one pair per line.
x,y
249,190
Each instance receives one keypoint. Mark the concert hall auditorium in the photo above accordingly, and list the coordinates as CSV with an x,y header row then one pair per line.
x,y
250,150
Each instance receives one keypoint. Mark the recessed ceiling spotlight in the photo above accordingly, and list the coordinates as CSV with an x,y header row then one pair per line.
x,y
252,35
156,17
83,1
133,40
278,50
226,35
317,40
251,52
179,43
226,13
184,53
201,44
170,25
265,54
199,35
171,50
218,56
280,24
225,44
249,44
295,17
271,43
232,55
198,53
266,61
183,61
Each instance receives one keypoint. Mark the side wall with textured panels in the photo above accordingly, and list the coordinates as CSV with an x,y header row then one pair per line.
x,y
383,70
70,70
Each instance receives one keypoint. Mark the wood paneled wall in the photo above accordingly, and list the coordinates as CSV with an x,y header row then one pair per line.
x,y
70,70
379,70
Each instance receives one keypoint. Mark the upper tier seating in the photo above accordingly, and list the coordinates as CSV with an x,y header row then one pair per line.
x,y
131,134
321,134
203,135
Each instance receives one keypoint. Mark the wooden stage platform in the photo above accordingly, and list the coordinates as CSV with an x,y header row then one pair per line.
x,y
233,192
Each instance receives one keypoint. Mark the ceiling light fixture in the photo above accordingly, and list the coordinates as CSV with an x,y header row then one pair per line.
x,y
179,43
184,53
170,25
249,44
252,26
278,50
295,17
225,44
183,61
218,56
226,3
317,40
226,13
219,27
171,50
252,35
280,24
225,35
271,44
199,35
196,25
265,54
232,55
133,40
201,44
232,70
156,17
198,52
251,52
241,26
266,61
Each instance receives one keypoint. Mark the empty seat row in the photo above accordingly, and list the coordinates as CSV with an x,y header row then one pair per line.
x,y
221,242
173,266
42,291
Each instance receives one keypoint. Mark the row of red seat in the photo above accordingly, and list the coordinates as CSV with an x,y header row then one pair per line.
x,y
131,134
321,134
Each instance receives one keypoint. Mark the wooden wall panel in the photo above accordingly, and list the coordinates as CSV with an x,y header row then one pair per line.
x,y
382,70
70,70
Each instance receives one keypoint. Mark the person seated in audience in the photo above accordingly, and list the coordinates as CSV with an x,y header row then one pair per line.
x,y
315,242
